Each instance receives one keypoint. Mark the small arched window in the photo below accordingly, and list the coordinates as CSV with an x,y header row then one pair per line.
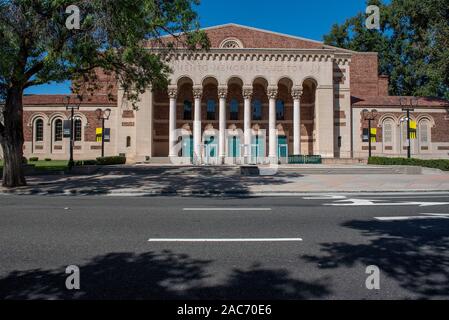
x,y
39,130
187,110
257,110
423,132
211,110
388,131
234,109
78,129
280,110
58,130
128,141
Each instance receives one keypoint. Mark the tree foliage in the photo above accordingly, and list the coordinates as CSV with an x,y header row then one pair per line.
x,y
412,44
36,47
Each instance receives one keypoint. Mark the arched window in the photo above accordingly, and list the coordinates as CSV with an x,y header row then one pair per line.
x,y
388,131
128,141
234,109
423,132
58,130
280,110
39,130
187,110
257,110
78,129
211,109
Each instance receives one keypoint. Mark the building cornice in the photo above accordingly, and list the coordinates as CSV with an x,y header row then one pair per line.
x,y
249,54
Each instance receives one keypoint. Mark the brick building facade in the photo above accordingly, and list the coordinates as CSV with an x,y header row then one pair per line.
x,y
255,97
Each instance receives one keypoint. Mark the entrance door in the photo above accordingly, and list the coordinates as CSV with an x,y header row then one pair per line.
x,y
257,149
187,147
234,147
282,147
211,149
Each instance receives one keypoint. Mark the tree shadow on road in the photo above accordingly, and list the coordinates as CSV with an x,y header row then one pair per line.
x,y
156,276
413,253
162,181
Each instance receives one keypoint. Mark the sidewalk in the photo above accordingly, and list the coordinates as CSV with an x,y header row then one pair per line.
x,y
209,181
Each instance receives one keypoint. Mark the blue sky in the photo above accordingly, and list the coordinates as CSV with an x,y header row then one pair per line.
x,y
304,18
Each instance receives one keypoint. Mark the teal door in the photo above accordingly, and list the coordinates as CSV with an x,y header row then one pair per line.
x,y
234,147
187,146
211,146
282,147
257,149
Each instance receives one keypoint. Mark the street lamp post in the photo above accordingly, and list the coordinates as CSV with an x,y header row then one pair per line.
x,y
369,116
103,115
72,109
408,109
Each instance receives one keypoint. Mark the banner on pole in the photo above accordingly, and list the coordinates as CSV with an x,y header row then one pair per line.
x,y
412,129
99,133
373,135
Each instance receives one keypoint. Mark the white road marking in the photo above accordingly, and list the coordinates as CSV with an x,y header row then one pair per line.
x,y
325,198
424,216
227,209
366,202
229,240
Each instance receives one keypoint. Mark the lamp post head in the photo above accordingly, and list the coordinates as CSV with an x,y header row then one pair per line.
x,y
107,113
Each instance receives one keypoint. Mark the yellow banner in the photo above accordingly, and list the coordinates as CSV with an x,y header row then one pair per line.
x,y
99,134
373,134
412,129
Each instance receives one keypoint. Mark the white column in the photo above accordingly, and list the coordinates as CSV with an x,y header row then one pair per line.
x,y
222,94
197,93
247,95
272,95
172,139
296,121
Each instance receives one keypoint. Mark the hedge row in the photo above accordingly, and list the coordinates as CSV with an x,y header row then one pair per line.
x,y
441,164
106,161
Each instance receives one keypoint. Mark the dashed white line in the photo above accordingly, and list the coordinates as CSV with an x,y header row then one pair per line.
x,y
227,209
230,240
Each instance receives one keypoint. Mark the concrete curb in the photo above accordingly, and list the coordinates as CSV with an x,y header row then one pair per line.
x,y
209,193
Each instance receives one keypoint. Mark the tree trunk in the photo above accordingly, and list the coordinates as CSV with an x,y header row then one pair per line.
x,y
11,139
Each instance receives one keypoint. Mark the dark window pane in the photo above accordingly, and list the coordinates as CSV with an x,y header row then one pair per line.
x,y
58,130
257,110
280,110
39,130
211,109
234,109
187,110
78,130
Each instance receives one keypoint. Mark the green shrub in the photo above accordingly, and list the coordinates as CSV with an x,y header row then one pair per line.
x,y
86,163
441,164
107,161
34,159
47,159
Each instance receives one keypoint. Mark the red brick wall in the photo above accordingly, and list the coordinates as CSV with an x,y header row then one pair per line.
x,y
364,75
89,133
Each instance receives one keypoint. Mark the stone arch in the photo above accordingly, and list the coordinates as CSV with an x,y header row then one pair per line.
x,y
236,80
310,79
35,116
209,80
55,116
387,116
260,80
184,80
426,117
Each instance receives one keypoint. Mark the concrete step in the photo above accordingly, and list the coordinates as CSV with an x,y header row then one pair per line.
x,y
362,169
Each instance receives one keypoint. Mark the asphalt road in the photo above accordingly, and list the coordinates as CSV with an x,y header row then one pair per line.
x,y
301,247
